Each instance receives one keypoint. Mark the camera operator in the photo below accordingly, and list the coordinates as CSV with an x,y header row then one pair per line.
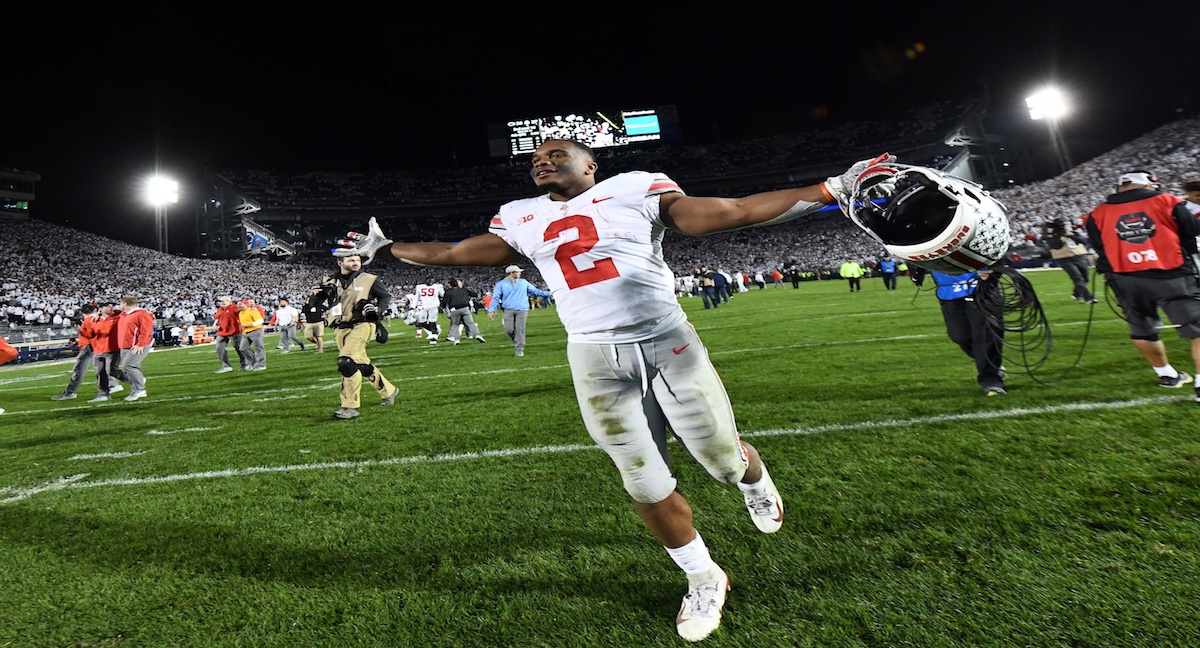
x,y
356,301
1069,249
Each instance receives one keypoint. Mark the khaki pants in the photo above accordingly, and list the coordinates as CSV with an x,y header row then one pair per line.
x,y
352,343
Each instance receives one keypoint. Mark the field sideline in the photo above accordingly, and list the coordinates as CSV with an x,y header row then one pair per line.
x,y
231,510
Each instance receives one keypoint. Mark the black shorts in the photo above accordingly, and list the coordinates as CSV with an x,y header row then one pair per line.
x,y
1142,297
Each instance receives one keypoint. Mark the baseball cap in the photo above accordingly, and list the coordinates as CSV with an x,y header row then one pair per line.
x,y
512,268
1137,177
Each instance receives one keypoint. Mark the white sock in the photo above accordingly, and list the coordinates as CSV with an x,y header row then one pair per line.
x,y
756,487
692,557
1166,370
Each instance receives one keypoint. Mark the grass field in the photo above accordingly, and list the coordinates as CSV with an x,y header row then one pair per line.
x,y
232,510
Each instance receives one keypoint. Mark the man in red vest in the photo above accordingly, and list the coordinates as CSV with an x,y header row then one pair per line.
x,y
1146,242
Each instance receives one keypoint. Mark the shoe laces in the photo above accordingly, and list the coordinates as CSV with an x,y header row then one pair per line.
x,y
762,504
701,600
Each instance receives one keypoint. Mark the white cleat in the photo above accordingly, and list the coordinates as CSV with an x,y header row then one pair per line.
x,y
115,389
700,613
137,394
766,507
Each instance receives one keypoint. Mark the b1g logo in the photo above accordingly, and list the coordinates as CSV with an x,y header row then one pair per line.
x,y
1136,228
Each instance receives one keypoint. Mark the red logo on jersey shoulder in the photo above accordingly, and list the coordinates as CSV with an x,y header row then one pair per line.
x,y
524,219
600,200
680,349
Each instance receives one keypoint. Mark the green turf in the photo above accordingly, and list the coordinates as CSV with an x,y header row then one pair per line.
x,y
476,512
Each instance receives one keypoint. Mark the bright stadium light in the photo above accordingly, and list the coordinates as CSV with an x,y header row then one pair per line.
x,y
1051,104
160,192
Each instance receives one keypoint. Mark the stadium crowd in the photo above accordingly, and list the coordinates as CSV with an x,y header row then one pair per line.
x,y
49,272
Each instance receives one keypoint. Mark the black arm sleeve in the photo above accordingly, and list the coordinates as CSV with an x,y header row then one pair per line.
x,y
1102,264
383,299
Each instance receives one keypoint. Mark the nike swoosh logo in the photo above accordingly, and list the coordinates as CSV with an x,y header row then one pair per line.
x,y
680,349
600,200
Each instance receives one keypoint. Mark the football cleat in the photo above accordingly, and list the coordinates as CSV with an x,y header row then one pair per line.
x,y
390,400
1176,382
346,413
765,506
700,613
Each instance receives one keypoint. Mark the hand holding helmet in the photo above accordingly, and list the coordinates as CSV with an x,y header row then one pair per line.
x,y
841,187
929,218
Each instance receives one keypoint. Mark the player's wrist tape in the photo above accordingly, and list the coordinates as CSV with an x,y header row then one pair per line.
x,y
801,208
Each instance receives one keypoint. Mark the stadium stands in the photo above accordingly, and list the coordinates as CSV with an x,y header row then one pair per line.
x,y
50,271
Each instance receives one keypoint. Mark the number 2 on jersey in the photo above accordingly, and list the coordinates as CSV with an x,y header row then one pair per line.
x,y
601,270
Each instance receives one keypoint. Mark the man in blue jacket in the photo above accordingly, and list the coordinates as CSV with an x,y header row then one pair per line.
x,y
967,326
512,294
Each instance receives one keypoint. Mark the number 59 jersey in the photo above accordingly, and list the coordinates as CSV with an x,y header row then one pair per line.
x,y
601,255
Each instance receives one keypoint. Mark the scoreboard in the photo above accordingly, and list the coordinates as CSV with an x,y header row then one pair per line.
x,y
596,129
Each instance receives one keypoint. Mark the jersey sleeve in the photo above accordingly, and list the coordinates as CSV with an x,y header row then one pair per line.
x,y
661,184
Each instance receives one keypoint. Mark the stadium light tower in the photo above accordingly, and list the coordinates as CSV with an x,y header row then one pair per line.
x,y
1052,105
161,191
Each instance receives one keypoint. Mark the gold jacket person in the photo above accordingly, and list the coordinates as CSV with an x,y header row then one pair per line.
x,y
355,300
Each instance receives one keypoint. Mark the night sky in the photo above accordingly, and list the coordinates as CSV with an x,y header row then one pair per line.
x,y
96,103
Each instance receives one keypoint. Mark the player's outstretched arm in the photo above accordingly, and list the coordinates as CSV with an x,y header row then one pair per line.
x,y
482,250
698,216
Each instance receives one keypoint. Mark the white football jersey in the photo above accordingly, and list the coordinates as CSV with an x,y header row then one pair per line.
x,y
430,296
600,254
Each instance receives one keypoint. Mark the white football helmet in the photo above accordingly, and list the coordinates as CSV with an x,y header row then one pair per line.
x,y
930,219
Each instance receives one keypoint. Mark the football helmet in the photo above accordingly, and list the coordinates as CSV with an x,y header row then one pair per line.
x,y
930,219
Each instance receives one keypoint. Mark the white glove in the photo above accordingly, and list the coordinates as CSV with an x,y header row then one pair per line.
x,y
841,187
364,245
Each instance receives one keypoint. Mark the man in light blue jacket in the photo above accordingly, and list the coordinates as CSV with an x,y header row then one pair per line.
x,y
512,294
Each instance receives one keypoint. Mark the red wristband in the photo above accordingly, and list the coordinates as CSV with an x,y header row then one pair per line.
x,y
829,199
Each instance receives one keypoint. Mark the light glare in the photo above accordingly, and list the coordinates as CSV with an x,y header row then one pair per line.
x,y
1048,103
162,191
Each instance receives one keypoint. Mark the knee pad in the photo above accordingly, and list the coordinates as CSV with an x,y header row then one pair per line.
x,y
366,370
347,366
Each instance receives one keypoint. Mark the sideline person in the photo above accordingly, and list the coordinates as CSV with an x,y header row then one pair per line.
x,y
512,295
1146,243
135,337
355,300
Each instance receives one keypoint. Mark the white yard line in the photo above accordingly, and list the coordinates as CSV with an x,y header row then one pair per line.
x,y
191,429
16,493
106,455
